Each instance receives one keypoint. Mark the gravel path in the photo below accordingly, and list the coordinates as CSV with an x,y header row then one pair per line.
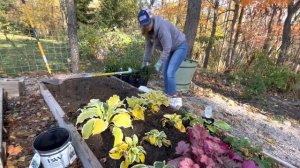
x,y
280,138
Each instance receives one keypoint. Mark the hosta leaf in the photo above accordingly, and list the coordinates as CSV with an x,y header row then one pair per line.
x,y
180,126
86,114
166,143
155,108
152,139
124,164
142,158
99,126
222,125
87,129
97,105
122,120
168,116
135,139
123,146
114,102
118,134
128,141
134,101
114,153
138,113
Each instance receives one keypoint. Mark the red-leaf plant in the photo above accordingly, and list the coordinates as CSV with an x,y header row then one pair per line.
x,y
205,150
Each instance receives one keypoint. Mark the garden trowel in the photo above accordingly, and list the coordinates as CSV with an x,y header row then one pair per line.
x,y
56,81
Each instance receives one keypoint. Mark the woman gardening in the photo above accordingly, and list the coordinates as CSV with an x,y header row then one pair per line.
x,y
163,35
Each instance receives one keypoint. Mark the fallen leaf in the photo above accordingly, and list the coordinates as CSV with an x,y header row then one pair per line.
x,y
46,118
10,164
32,135
11,150
22,159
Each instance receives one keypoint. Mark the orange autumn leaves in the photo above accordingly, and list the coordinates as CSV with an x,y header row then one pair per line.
x,y
265,3
14,150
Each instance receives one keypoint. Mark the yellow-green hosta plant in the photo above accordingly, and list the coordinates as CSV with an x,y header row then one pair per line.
x,y
136,107
156,138
99,115
175,120
155,99
128,149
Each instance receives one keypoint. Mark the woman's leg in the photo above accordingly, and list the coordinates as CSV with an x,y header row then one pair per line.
x,y
164,71
176,59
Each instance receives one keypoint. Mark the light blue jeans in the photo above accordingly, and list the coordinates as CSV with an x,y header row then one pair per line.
x,y
170,67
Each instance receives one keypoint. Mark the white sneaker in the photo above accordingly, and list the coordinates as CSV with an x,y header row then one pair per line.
x,y
175,102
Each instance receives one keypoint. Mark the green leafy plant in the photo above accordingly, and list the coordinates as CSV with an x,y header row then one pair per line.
x,y
175,120
156,138
98,115
157,164
213,127
155,99
193,119
127,149
136,107
244,147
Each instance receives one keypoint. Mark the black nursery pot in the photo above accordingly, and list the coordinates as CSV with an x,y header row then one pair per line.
x,y
137,80
124,77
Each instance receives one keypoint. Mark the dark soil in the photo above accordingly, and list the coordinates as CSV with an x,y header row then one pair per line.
x,y
76,93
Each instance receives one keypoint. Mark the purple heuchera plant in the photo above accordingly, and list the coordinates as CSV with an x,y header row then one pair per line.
x,y
204,150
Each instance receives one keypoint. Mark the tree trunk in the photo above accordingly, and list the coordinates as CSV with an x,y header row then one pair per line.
x,y
207,20
63,15
286,34
72,33
269,38
191,23
235,16
151,4
238,32
212,36
227,14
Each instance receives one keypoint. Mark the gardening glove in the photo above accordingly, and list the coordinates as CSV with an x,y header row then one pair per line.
x,y
157,65
145,64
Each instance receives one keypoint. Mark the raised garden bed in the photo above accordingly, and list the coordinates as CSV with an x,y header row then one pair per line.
x,y
75,93
64,101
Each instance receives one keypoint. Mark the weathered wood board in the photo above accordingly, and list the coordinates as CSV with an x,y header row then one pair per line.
x,y
13,87
86,156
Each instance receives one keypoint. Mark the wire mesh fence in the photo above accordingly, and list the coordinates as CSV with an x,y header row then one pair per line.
x,y
19,52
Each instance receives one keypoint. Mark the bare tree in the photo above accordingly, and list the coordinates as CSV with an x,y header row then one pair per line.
x,y
269,38
212,35
238,31
191,23
293,7
229,57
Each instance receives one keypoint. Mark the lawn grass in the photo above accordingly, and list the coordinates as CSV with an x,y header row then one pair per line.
x,y
20,54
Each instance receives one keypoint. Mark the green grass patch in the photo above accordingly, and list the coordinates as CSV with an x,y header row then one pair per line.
x,y
20,54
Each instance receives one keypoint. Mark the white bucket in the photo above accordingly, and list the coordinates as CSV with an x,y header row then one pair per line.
x,y
54,148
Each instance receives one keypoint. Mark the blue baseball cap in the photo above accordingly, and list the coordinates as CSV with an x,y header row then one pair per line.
x,y
144,17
